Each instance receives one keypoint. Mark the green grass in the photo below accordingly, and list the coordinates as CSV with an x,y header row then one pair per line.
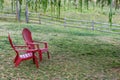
x,y
76,54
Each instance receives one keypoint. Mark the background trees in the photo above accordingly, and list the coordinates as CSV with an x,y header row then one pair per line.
x,y
55,7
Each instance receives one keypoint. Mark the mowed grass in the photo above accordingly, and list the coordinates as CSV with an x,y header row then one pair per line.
x,y
76,54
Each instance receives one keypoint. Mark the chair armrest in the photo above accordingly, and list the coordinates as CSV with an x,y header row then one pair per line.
x,y
39,41
45,43
22,46
21,50
37,44
29,50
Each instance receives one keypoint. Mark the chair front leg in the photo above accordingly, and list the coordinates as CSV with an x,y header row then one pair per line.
x,y
36,61
48,54
33,58
40,55
15,59
17,62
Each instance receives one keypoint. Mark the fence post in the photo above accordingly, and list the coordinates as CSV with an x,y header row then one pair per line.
x,y
93,25
39,18
64,21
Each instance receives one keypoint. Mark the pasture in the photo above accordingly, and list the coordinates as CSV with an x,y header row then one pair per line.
x,y
76,54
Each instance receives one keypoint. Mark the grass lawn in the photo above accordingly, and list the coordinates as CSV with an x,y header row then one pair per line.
x,y
76,54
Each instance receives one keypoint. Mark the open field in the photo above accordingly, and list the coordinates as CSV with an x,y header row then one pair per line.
x,y
76,54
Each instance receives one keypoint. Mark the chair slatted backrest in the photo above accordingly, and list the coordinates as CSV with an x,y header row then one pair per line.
x,y
27,36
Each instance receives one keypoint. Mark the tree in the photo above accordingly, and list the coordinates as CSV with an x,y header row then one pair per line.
x,y
87,3
110,12
17,10
1,4
26,12
80,5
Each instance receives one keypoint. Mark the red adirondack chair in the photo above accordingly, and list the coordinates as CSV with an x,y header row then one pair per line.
x,y
26,53
35,44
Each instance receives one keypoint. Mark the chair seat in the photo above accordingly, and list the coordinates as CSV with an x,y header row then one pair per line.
x,y
26,55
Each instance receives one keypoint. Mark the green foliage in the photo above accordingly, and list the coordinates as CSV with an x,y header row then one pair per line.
x,y
110,12
1,4
44,5
12,5
86,4
56,7
80,5
20,1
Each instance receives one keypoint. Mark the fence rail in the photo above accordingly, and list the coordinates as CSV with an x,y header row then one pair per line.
x,y
75,23
11,17
66,22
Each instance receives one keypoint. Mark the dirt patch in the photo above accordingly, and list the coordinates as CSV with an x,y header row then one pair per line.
x,y
108,40
116,69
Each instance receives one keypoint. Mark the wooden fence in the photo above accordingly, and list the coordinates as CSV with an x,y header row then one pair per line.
x,y
75,23
8,17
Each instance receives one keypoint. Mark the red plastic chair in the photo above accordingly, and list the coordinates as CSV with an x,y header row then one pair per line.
x,y
26,53
35,44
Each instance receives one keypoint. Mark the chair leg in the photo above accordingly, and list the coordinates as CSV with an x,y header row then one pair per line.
x,y
33,58
15,59
36,61
17,62
33,61
40,55
48,54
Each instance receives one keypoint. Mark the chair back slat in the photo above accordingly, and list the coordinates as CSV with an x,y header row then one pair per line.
x,y
27,36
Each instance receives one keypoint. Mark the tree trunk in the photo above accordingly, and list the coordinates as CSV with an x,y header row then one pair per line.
x,y
12,5
17,10
110,13
26,12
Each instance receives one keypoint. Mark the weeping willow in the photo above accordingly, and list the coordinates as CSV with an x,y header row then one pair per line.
x,y
110,3
44,5
39,2
26,11
110,12
20,10
52,7
58,8
36,5
86,4
31,4
80,5
1,4
12,5
56,5
64,4
17,10
117,2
